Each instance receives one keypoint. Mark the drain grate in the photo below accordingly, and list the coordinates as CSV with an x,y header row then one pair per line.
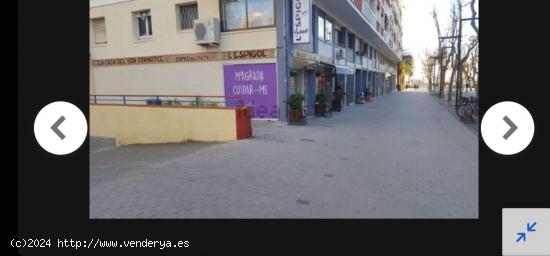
x,y
308,140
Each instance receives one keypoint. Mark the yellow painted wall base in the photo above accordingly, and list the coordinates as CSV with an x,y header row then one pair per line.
x,y
150,124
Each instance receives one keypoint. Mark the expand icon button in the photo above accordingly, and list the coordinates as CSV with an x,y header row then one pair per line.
x,y
526,231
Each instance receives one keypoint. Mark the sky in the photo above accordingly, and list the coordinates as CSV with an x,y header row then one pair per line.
x,y
419,31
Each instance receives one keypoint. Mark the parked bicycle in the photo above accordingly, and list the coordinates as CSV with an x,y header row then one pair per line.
x,y
468,108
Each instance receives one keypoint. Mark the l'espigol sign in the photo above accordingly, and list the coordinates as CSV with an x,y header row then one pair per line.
x,y
301,17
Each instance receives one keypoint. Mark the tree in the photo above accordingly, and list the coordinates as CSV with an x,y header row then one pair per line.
x,y
406,68
474,15
444,58
468,68
470,64
428,65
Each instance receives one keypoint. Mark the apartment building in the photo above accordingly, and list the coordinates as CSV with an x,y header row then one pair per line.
x,y
260,50
353,45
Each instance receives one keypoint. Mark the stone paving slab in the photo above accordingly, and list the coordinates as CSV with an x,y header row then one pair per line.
x,y
402,156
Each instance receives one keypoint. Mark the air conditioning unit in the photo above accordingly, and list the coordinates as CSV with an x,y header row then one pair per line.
x,y
339,53
207,31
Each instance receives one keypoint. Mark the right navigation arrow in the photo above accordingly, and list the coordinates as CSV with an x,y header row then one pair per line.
x,y
513,127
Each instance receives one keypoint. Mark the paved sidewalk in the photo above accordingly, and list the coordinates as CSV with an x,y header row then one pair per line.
x,y
402,156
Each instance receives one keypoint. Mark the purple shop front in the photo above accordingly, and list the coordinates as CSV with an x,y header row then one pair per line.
x,y
256,84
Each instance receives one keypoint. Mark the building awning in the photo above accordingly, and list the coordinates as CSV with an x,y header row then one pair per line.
x,y
302,64
325,65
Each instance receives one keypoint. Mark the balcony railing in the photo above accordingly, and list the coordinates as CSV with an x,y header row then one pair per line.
x,y
172,100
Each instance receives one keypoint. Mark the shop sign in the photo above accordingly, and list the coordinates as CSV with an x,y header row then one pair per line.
x,y
301,17
256,84
191,57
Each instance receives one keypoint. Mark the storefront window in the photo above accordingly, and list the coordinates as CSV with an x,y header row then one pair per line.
x,y
245,14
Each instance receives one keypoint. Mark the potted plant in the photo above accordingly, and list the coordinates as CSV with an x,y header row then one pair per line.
x,y
296,113
337,99
320,104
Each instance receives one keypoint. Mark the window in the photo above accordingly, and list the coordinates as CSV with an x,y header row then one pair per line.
x,y
246,14
340,37
187,14
321,28
324,27
351,41
260,13
99,29
371,55
143,24
328,30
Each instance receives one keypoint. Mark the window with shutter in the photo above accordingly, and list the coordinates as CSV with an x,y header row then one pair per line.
x,y
100,32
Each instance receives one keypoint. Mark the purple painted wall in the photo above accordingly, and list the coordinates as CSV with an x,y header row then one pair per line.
x,y
256,84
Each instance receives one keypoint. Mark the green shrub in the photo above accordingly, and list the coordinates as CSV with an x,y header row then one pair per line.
x,y
321,97
296,101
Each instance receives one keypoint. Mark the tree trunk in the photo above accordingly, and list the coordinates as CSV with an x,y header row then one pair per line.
x,y
442,82
430,81
449,98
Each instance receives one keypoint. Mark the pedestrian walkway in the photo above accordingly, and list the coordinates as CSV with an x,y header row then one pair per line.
x,y
402,156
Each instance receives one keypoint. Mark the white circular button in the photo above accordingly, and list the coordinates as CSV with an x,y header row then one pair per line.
x,y
507,128
60,128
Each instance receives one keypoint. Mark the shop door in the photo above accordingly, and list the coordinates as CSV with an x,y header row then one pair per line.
x,y
358,83
350,81
341,82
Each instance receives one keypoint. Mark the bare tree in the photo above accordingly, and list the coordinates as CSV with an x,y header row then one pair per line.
x,y
454,19
444,57
439,50
470,65
428,66
474,14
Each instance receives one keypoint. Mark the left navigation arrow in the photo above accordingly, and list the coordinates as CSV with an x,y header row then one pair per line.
x,y
55,127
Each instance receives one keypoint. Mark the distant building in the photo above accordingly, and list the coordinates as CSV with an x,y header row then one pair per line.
x,y
261,50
